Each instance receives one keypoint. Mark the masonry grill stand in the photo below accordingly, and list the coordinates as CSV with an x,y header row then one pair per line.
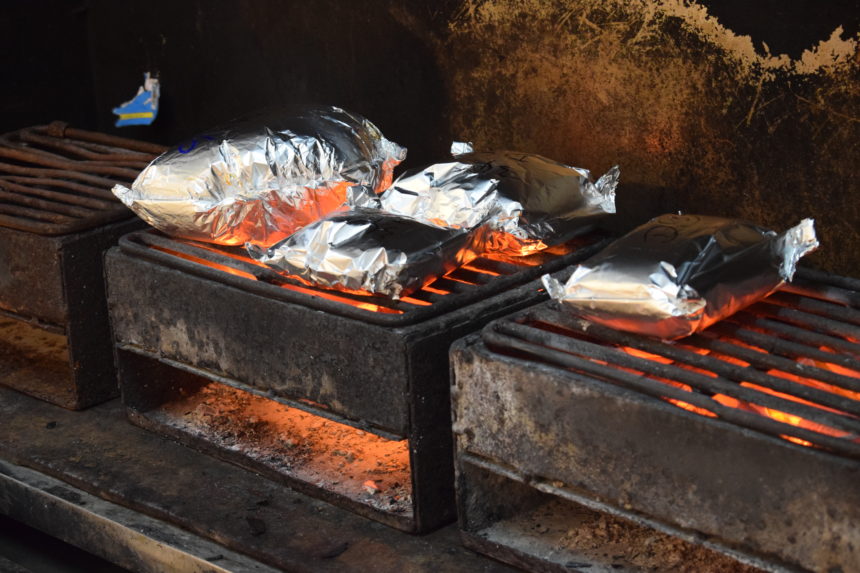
x,y
578,445
341,396
57,217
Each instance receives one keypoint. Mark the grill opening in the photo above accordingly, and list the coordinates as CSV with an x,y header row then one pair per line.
x,y
289,441
544,526
788,366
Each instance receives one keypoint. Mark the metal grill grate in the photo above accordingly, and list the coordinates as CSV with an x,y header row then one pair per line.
x,y
56,180
788,366
480,279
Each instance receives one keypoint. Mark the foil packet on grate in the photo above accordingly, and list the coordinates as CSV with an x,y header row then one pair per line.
x,y
678,274
533,201
259,182
371,251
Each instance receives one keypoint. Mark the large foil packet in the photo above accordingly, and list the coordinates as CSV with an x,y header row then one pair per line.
x,y
678,274
534,201
258,182
371,251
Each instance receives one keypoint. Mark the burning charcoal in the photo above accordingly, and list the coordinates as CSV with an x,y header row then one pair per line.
x,y
678,274
258,183
533,201
371,487
370,251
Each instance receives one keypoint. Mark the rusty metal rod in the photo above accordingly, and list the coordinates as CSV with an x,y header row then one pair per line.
x,y
60,129
65,198
49,206
99,192
85,150
498,341
715,385
39,172
65,164
35,214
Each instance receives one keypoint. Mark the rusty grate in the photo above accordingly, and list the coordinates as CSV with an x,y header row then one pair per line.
x,y
481,278
788,366
55,179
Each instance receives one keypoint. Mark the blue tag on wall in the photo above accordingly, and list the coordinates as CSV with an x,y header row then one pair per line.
x,y
143,107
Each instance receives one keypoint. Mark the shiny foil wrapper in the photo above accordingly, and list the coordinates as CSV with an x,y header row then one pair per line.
x,y
371,251
678,274
534,202
259,182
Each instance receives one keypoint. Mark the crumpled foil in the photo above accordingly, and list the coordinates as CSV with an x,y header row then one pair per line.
x,y
259,182
371,251
534,202
678,274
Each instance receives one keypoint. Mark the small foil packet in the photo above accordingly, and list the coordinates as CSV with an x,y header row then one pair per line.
x,y
533,201
371,251
258,182
678,274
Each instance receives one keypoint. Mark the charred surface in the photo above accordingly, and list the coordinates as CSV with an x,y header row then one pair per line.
x,y
99,452
692,438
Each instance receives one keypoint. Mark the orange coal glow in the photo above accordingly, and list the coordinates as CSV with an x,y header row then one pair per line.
x,y
530,253
296,442
505,243
206,263
728,401
374,303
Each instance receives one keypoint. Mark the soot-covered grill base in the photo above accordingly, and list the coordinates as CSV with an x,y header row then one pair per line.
x,y
190,319
701,439
57,217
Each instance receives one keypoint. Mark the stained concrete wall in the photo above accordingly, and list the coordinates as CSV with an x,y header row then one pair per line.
x,y
729,107
699,120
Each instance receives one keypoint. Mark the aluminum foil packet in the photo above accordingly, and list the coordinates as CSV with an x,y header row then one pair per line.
x,y
258,182
371,251
534,202
678,274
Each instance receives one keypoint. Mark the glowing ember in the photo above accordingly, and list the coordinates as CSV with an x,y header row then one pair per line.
x,y
728,401
508,244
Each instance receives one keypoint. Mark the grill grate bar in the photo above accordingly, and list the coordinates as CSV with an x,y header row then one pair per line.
x,y
43,172
794,333
34,214
45,205
437,298
33,182
761,359
95,151
62,130
818,307
63,198
812,322
68,174
701,382
733,372
496,340
781,347
45,160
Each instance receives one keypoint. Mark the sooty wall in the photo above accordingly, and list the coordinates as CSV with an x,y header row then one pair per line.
x,y
723,107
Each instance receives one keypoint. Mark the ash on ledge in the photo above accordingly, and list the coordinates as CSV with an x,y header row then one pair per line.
x,y
744,439
57,217
340,395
